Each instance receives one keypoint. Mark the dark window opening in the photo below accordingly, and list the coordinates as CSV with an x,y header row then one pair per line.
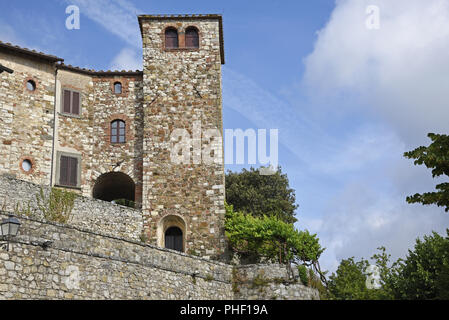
x,y
192,38
71,102
117,187
117,88
68,171
118,131
171,38
173,239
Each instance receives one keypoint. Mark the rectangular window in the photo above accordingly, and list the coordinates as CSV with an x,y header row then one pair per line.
x,y
71,102
69,171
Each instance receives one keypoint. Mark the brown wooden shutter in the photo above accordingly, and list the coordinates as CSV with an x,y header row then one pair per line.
x,y
75,103
192,38
63,171
171,38
67,101
73,180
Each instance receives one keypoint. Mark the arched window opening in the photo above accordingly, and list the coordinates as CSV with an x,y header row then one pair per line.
x,y
192,38
117,187
117,88
171,38
118,131
174,239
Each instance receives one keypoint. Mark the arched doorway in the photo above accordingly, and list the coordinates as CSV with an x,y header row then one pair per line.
x,y
117,187
171,233
174,239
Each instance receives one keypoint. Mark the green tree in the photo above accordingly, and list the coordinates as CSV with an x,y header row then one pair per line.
x,y
424,274
271,240
435,157
350,280
260,195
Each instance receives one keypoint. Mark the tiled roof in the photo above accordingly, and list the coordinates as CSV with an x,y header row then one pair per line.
x,y
26,51
92,72
219,17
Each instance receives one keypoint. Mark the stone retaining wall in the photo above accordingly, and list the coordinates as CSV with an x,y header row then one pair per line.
x,y
90,214
270,282
79,264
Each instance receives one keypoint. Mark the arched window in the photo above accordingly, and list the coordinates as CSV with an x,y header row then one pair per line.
x,y
192,38
118,131
171,38
173,239
117,88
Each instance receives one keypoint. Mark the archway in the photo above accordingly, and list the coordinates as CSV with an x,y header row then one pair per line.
x,y
171,233
115,186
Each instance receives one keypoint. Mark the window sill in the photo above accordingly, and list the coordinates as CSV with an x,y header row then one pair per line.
x,y
181,49
70,115
67,187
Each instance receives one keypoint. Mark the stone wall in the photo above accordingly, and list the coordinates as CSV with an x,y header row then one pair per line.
x,y
269,282
26,117
90,214
79,264
99,255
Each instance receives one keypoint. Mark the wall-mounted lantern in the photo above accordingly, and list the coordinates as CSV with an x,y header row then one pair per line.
x,y
8,229
3,68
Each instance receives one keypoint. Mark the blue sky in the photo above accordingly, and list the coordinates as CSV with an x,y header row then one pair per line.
x,y
347,101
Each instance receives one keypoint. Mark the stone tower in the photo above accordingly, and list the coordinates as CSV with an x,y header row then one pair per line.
x,y
182,91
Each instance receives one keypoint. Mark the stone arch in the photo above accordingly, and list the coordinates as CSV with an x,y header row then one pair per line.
x,y
114,186
171,225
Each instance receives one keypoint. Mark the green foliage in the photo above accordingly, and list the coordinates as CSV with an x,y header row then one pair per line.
x,y
435,157
57,206
270,238
261,195
303,274
125,202
349,281
424,274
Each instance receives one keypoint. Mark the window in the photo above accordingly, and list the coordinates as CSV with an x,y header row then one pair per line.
x,y
31,85
118,131
27,165
173,239
171,38
71,102
117,88
68,171
192,38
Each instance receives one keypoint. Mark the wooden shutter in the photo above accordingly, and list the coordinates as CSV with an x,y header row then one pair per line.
x,y
63,171
67,101
171,38
192,38
73,179
68,171
75,103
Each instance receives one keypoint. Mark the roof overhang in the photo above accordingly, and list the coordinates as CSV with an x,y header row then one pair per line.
x,y
28,52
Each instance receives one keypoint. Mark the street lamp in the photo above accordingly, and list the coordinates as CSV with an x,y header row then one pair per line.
x,y
9,228
3,68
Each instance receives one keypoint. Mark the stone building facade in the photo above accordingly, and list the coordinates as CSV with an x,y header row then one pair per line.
x,y
109,134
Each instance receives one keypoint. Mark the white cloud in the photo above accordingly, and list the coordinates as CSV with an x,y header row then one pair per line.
x,y
127,59
117,16
399,71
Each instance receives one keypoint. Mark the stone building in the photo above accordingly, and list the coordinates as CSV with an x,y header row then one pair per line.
x,y
108,134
